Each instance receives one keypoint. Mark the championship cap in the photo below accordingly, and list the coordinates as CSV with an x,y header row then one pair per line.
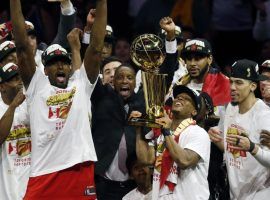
x,y
55,52
193,94
6,48
247,69
8,71
197,46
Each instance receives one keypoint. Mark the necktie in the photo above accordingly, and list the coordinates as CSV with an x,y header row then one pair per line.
x,y
122,155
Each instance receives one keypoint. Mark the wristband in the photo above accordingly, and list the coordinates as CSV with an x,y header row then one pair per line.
x,y
86,38
165,132
171,46
251,146
67,8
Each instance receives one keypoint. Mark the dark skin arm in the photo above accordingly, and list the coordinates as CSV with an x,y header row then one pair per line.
x,y
7,118
92,57
75,45
25,54
145,153
184,158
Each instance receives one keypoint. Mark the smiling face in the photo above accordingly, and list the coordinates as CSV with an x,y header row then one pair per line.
x,y
241,90
183,106
109,71
197,64
58,72
124,81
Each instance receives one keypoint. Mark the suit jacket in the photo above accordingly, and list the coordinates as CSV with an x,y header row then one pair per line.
x,y
66,24
109,122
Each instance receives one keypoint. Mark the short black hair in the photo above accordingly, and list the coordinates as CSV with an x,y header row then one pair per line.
x,y
108,60
126,65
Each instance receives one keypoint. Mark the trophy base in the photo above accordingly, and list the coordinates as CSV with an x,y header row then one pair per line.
x,y
143,122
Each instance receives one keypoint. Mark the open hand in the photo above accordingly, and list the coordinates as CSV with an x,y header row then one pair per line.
x,y
134,114
164,121
215,135
238,142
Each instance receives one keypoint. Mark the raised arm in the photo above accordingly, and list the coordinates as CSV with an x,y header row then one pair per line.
x,y
25,55
145,152
7,119
66,23
170,64
184,158
75,45
87,30
92,58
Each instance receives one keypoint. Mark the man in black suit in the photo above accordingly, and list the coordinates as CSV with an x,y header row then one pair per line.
x,y
114,139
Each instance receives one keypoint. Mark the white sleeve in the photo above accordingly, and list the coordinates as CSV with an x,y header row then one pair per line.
x,y
89,87
138,81
263,119
171,46
263,157
67,8
199,142
86,38
38,81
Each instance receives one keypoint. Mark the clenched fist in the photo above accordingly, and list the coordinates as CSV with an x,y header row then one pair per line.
x,y
167,24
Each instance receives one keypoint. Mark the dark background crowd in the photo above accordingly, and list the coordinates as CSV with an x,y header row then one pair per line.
x,y
228,25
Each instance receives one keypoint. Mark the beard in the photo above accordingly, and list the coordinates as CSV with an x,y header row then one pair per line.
x,y
202,72
234,103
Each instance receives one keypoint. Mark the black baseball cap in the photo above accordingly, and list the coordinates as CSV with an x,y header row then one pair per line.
x,y
197,46
247,69
8,71
6,48
55,52
178,89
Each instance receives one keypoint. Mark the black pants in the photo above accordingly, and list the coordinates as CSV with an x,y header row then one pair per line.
x,y
112,190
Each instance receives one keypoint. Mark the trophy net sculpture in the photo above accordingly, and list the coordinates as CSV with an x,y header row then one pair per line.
x,y
147,53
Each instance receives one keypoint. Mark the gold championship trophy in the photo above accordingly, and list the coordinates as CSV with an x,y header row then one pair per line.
x,y
147,53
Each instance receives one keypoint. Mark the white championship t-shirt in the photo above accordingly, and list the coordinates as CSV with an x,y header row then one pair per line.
x,y
246,175
15,155
60,123
192,182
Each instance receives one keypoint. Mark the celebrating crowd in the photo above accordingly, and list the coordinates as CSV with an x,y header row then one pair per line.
x,y
65,111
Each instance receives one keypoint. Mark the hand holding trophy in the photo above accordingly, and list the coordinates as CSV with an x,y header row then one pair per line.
x,y
147,53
